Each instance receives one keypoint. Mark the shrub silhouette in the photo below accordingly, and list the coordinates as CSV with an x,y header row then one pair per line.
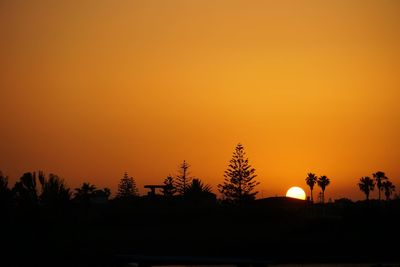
x,y
198,192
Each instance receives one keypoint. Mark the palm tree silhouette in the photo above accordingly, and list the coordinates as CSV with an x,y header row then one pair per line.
x,y
198,192
311,181
379,177
84,192
25,189
54,190
366,185
388,188
197,187
323,182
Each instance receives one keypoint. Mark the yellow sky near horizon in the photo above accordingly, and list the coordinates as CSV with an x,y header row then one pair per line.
x,y
90,89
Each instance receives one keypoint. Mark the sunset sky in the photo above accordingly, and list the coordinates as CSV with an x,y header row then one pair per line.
x,y
91,89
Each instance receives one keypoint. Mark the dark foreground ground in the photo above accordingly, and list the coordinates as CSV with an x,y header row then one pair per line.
x,y
271,231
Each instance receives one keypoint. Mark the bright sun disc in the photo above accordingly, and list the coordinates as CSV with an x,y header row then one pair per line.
x,y
296,192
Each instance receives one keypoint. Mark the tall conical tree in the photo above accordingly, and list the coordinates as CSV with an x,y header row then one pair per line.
x,y
183,180
379,177
127,187
311,180
239,182
366,185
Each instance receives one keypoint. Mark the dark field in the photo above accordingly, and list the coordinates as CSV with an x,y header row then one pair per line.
x,y
274,231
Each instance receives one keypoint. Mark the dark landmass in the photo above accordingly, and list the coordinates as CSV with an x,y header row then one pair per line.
x,y
275,230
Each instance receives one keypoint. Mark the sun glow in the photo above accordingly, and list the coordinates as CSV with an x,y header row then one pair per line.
x,y
296,192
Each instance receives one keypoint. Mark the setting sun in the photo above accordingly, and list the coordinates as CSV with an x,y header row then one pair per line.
x,y
296,192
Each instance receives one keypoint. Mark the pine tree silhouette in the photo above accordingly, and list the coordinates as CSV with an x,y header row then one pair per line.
x,y
239,182
127,187
183,179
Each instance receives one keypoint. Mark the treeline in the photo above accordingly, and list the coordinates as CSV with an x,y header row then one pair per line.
x,y
34,188
365,184
238,186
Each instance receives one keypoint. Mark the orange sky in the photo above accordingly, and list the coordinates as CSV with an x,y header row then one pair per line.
x,y
90,89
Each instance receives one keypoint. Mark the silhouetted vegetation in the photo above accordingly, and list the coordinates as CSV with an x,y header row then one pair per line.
x,y
54,190
5,192
183,179
388,188
239,182
379,178
169,190
88,194
25,190
199,192
87,225
127,188
311,180
366,185
85,192
323,182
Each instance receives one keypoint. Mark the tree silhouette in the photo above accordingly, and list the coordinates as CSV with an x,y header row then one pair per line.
x,y
84,193
379,178
25,190
54,190
239,183
127,187
311,180
388,188
107,192
197,187
366,185
183,179
198,192
169,190
5,192
102,194
323,182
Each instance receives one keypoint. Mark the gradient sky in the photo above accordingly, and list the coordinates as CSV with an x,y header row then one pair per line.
x,y
90,89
